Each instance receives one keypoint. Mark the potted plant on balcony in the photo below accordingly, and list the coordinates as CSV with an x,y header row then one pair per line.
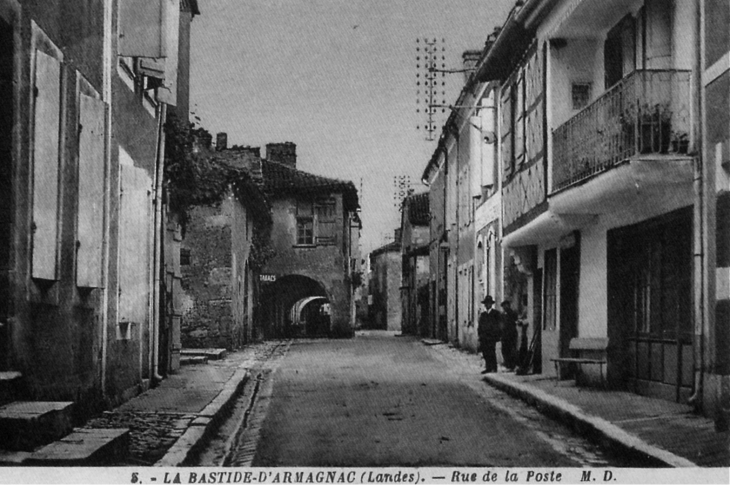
x,y
655,128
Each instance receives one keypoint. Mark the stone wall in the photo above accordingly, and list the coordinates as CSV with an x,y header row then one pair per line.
x,y
326,265
217,290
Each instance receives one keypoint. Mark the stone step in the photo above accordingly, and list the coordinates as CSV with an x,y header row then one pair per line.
x,y
193,360
25,425
84,446
10,382
211,354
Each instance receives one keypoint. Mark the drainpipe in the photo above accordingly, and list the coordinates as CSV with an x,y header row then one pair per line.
x,y
159,266
700,224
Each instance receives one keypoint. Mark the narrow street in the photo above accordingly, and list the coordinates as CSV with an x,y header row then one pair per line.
x,y
382,400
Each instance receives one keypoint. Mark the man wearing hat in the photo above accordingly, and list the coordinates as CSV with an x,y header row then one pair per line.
x,y
489,334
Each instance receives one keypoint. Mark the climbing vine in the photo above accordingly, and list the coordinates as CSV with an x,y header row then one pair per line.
x,y
261,249
192,177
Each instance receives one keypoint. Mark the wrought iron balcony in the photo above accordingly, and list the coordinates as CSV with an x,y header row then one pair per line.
x,y
647,112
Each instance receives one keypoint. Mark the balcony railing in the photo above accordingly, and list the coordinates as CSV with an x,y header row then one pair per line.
x,y
647,112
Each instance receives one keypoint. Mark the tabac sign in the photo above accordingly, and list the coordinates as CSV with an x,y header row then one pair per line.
x,y
267,278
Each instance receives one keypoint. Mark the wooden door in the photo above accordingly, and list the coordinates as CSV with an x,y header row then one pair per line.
x,y
569,283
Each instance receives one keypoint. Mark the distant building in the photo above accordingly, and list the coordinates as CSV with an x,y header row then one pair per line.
x,y
415,231
308,286
385,283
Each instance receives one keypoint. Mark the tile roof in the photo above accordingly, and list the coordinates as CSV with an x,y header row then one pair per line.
x,y
279,178
419,213
391,246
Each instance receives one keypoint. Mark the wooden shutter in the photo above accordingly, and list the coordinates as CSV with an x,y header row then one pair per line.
x,y
658,34
475,154
46,126
90,215
141,31
134,238
506,109
166,68
489,141
326,222
519,121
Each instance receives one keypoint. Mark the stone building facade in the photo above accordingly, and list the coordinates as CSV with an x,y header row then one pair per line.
x,y
386,276
415,219
220,277
315,238
80,237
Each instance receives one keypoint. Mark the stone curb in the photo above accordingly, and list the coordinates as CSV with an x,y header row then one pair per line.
x,y
206,421
591,426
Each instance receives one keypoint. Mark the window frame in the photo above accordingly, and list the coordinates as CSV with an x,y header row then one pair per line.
x,y
302,219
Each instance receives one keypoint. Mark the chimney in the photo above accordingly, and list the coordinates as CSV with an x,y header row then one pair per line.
x,y
285,153
202,140
470,59
253,152
243,156
221,141
247,151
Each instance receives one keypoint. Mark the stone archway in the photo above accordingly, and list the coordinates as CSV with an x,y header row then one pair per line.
x,y
281,297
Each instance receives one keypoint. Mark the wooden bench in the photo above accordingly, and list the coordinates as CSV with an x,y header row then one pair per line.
x,y
578,345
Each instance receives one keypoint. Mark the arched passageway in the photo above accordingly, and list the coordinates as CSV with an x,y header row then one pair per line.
x,y
295,306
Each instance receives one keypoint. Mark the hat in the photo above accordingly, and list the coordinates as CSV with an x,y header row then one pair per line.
x,y
506,303
488,299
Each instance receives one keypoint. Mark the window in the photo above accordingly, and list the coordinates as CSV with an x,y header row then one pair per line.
x,y
326,222
619,51
551,289
305,223
149,32
513,126
305,232
661,280
184,257
580,93
317,222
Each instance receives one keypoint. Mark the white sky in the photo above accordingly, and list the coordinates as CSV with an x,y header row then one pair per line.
x,y
336,77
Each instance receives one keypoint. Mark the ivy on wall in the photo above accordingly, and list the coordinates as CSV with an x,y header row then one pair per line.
x,y
192,176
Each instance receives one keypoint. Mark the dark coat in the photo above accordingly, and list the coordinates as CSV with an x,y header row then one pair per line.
x,y
489,325
509,325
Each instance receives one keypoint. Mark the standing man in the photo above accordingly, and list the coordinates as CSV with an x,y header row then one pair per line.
x,y
489,333
509,335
